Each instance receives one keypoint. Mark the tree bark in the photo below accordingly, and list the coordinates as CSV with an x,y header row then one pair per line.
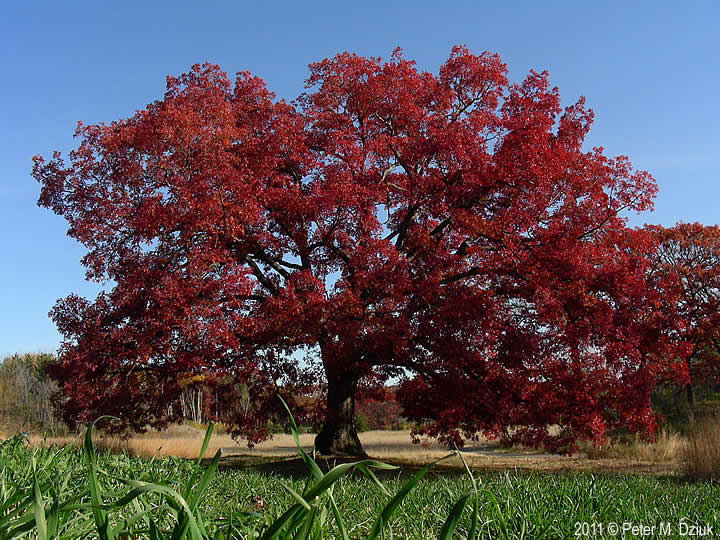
x,y
691,404
338,435
690,397
676,399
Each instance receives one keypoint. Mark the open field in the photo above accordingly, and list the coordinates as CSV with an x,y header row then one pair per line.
x,y
186,440
661,459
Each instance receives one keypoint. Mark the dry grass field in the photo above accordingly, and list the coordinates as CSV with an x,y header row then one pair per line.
x,y
664,457
185,441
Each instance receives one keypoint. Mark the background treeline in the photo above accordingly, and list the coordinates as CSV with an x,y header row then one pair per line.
x,y
26,401
26,393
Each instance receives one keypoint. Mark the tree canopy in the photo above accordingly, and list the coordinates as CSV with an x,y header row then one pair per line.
x,y
446,229
688,261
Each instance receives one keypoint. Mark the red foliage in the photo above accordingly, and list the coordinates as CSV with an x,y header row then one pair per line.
x,y
688,259
445,227
381,414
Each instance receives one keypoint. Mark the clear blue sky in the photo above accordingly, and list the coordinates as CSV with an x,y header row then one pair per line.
x,y
650,71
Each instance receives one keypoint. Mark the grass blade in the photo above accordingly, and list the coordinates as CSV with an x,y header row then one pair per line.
x,y
204,481
154,533
39,511
277,526
453,518
384,517
139,488
206,441
101,519
475,518
193,498
338,518
314,469
476,502
203,448
296,496
307,525
336,472
367,472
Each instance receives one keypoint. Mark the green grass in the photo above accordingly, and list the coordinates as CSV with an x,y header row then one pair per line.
x,y
533,505
533,502
76,493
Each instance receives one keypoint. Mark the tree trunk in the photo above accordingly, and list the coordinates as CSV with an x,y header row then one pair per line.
x,y
691,404
338,435
676,399
690,395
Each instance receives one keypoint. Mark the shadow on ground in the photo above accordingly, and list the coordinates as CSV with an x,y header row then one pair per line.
x,y
489,462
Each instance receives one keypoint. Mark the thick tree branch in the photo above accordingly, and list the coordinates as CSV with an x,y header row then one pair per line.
x,y
402,229
388,170
473,271
273,263
262,278
288,264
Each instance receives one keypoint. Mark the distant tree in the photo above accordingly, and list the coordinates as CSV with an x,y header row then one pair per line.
x,y
688,259
381,412
445,228
26,392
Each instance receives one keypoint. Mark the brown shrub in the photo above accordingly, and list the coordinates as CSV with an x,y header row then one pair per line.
x,y
668,446
702,457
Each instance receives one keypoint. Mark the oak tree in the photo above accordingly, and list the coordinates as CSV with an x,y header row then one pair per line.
x,y
688,259
446,229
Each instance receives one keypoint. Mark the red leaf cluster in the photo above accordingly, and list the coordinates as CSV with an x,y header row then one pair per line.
x,y
686,268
